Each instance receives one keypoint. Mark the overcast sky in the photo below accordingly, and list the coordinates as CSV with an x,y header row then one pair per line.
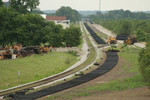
x,y
133,5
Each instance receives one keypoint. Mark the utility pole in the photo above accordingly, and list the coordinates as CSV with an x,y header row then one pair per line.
x,y
99,7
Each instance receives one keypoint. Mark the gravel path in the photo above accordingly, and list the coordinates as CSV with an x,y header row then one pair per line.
x,y
104,30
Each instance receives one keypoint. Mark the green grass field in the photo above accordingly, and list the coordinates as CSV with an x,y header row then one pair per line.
x,y
33,68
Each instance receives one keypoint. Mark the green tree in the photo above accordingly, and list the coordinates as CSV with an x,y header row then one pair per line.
x,y
144,62
37,12
125,28
121,14
7,18
72,36
32,30
22,6
1,3
70,13
141,36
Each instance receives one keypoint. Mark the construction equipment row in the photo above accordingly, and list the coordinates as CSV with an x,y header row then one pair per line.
x,y
17,50
127,39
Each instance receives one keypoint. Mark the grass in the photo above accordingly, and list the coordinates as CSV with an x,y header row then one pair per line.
x,y
118,85
131,55
33,68
84,94
135,81
101,34
81,44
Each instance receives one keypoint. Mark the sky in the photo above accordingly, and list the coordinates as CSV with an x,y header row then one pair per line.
x,y
133,5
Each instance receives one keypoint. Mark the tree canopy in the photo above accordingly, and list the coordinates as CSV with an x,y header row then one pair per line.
x,y
70,13
120,14
24,6
1,3
32,30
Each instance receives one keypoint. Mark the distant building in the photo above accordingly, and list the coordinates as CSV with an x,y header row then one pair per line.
x,y
62,20
43,15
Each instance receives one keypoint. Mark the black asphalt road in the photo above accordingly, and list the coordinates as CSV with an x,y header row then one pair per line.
x,y
94,35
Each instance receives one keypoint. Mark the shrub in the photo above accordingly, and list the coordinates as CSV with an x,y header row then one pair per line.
x,y
144,62
68,61
74,53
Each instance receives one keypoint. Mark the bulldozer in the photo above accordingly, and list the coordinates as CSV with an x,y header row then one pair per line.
x,y
111,40
131,40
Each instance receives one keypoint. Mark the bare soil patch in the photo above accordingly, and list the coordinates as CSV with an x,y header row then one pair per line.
x,y
131,94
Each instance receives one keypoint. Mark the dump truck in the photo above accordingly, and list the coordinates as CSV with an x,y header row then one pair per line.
x,y
111,40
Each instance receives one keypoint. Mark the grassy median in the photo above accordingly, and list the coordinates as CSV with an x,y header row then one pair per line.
x,y
33,68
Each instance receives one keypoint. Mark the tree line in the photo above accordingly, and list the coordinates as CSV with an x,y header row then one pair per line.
x,y
125,22
121,14
32,30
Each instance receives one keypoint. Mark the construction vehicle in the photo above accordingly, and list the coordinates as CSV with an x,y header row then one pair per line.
x,y
17,50
11,51
131,40
17,47
6,47
45,49
127,39
111,40
1,55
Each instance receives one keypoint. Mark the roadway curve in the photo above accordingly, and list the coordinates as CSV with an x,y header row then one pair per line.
x,y
110,63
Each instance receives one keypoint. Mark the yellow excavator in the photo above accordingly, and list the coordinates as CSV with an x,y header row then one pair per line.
x,y
111,40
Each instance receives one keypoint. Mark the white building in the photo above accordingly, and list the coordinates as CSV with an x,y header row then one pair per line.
x,y
62,20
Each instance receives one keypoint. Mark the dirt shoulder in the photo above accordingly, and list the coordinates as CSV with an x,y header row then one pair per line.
x,y
131,94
